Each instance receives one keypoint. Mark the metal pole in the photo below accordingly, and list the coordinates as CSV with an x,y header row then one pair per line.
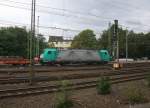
x,y
28,46
37,51
109,39
114,44
118,49
32,36
126,45
117,41
34,24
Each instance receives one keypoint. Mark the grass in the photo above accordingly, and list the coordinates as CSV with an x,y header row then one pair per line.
x,y
134,95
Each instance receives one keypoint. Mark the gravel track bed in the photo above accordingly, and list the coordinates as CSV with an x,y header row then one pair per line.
x,y
95,78
24,85
86,98
69,73
63,72
55,73
53,68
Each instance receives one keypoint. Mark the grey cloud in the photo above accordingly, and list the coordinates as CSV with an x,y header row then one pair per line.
x,y
133,22
131,13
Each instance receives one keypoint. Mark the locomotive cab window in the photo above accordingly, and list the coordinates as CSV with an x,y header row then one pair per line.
x,y
49,52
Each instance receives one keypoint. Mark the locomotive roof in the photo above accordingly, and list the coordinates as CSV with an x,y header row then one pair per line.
x,y
55,49
52,49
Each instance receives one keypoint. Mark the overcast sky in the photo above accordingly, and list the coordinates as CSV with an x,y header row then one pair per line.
x,y
73,16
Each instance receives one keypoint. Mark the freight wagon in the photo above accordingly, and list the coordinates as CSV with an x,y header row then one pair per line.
x,y
13,60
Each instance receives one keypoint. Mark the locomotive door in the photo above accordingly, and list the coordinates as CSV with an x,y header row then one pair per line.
x,y
51,55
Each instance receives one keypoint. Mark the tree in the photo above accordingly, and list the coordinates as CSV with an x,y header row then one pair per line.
x,y
42,43
138,43
14,42
85,40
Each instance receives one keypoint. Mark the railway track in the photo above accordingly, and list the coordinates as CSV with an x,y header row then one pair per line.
x,y
61,69
58,69
116,76
68,68
10,73
54,67
77,75
55,88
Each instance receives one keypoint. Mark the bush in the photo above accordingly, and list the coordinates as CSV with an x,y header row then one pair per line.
x,y
63,100
103,86
134,95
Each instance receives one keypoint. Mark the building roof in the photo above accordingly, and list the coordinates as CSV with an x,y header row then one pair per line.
x,y
55,38
58,39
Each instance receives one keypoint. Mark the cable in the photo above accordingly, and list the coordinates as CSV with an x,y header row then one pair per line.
x,y
41,26
70,11
112,3
59,28
55,9
65,10
41,11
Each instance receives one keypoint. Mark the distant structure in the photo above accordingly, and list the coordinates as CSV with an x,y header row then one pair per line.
x,y
59,42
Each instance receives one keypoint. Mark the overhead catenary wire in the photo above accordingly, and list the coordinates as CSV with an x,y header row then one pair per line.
x,y
12,23
40,26
74,32
57,13
49,12
61,14
63,10
113,4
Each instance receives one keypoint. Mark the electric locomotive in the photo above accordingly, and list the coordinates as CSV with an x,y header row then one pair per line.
x,y
55,56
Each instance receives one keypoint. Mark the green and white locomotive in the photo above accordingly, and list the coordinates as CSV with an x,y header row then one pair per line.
x,y
55,56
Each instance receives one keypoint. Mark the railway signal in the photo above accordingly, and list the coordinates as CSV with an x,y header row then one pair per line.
x,y
115,41
116,46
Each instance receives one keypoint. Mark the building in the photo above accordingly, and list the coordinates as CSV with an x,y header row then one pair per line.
x,y
59,42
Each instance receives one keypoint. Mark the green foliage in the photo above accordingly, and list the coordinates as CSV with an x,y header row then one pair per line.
x,y
42,43
134,95
103,86
85,40
63,98
14,42
138,42
106,40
